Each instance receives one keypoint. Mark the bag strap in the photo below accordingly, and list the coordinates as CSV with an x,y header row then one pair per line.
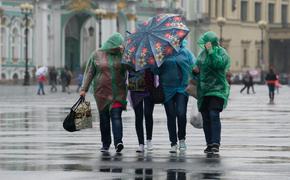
x,y
79,101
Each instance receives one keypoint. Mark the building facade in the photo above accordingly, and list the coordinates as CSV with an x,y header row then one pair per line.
x,y
250,47
65,32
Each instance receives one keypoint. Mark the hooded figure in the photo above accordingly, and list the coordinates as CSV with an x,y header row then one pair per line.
x,y
174,77
213,89
108,77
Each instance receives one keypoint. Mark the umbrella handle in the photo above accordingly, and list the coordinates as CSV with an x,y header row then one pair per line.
x,y
128,32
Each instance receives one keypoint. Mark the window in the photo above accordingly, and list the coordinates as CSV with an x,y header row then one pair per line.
x,y
284,15
271,11
258,11
209,8
245,55
244,10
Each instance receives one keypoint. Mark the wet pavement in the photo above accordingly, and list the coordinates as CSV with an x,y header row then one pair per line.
x,y
33,144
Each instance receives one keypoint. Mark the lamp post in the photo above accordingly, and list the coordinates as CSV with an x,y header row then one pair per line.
x,y
1,15
221,21
26,10
262,25
99,15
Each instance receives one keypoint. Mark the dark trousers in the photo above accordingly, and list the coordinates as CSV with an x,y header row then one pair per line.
x,y
210,111
271,88
248,89
105,127
148,113
176,109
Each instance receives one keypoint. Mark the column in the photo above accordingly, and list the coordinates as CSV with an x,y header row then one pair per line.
x,y
278,5
41,39
56,30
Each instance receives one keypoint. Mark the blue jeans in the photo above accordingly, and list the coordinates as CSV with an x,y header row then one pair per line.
x,y
40,88
148,112
176,109
211,126
115,116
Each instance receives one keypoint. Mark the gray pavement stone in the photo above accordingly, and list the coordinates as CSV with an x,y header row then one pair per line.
x,y
33,145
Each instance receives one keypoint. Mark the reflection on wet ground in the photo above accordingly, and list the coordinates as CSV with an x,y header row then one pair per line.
x,y
255,142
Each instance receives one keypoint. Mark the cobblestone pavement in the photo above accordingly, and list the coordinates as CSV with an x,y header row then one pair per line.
x,y
33,145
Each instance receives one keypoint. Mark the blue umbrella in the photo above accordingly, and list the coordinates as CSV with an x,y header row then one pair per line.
x,y
154,39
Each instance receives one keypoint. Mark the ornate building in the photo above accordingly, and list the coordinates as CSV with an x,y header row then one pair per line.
x,y
65,32
255,32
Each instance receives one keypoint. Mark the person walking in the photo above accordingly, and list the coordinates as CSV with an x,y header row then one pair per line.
x,y
108,78
41,79
79,81
139,83
247,82
271,79
69,77
174,77
251,84
211,67
63,79
53,79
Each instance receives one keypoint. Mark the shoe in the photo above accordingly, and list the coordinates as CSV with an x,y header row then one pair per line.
x,y
149,145
173,149
104,149
140,148
119,147
208,149
182,145
215,148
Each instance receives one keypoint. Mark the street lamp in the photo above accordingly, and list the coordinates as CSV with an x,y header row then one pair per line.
x,y
100,13
221,21
262,25
26,10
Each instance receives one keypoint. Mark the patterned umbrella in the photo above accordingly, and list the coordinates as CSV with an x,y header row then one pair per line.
x,y
153,40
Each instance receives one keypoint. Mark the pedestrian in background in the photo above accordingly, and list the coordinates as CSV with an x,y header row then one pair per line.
x,y
69,77
139,82
40,80
213,88
53,79
271,79
108,78
63,79
174,77
79,81
247,82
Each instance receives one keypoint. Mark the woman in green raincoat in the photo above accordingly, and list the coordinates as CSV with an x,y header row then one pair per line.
x,y
108,78
211,67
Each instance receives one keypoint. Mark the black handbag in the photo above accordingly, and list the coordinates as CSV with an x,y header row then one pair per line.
x,y
80,116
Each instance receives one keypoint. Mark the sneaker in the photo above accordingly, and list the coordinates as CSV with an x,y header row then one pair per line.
x,y
104,149
215,148
173,149
149,145
119,147
208,149
140,148
182,145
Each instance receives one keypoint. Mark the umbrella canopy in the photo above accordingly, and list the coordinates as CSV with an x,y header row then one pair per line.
x,y
42,70
154,39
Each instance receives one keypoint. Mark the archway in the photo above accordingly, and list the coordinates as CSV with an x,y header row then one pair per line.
x,y
73,41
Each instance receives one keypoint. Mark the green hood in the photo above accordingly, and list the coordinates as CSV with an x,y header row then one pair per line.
x,y
208,37
113,42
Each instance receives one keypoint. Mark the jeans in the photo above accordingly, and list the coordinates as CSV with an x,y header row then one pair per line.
x,y
40,88
211,126
148,112
115,116
176,108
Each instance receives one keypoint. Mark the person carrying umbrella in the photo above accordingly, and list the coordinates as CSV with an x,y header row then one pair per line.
x,y
211,67
108,78
174,76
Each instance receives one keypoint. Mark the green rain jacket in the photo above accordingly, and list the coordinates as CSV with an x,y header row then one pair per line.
x,y
213,66
107,75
